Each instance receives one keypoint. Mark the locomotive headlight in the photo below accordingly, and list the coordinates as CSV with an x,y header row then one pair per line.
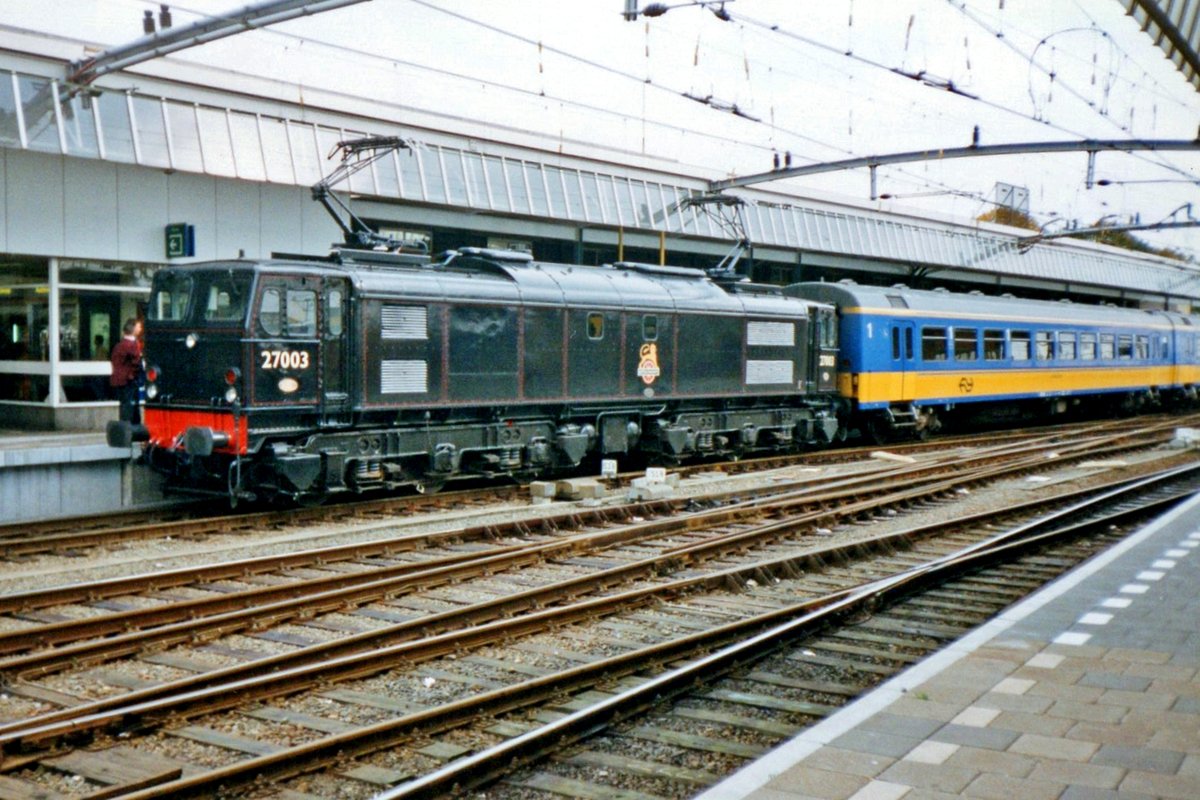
x,y
151,391
191,340
231,395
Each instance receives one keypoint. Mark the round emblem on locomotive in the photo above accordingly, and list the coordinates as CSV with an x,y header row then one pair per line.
x,y
648,369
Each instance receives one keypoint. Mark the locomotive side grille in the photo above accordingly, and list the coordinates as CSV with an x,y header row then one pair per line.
x,y
769,372
403,377
404,322
771,334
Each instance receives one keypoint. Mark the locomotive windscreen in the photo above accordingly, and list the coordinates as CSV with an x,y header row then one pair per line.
x,y
210,297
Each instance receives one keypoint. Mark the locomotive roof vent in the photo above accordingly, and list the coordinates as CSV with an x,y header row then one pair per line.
x,y
976,292
848,282
1009,295
1066,300
900,286
655,269
496,254
941,289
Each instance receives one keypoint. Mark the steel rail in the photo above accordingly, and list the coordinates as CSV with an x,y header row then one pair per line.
x,y
768,632
481,768
227,613
271,677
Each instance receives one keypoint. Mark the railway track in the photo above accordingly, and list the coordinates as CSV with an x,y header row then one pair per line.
x,y
626,585
64,632
75,536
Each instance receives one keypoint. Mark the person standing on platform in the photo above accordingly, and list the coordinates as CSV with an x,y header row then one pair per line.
x,y
126,361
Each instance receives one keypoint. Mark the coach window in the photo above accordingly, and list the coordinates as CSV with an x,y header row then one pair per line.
x,y
1066,346
1108,350
270,313
1125,346
595,325
1044,341
1142,347
1019,341
1166,349
895,344
301,312
993,345
649,328
966,344
1087,346
933,344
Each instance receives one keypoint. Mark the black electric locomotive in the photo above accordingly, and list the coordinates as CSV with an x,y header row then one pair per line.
x,y
303,378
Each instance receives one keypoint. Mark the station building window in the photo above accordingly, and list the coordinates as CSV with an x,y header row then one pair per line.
x,y
60,320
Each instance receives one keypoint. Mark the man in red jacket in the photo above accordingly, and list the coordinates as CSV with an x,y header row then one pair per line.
x,y
126,360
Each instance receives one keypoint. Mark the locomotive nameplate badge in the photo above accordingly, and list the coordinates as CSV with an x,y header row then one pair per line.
x,y
648,369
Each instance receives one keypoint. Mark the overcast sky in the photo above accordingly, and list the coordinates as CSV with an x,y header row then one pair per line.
x,y
823,80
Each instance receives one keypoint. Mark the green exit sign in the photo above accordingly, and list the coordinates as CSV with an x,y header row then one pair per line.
x,y
181,240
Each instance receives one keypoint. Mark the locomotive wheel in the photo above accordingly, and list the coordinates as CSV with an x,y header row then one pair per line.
x,y
428,486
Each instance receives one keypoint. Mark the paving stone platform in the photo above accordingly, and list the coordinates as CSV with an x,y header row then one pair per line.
x,y
1087,690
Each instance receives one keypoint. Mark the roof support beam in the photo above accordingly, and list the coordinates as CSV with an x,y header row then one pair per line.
x,y
974,151
171,40
1179,46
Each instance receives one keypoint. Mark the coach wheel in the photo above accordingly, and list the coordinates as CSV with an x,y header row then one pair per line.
x,y
877,430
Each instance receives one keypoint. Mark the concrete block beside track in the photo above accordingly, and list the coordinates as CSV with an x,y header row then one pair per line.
x,y
581,489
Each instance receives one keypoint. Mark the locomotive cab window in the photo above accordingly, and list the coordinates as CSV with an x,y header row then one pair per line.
x,y
649,327
993,345
301,312
595,325
966,344
1019,342
933,344
270,312
333,312
227,297
169,303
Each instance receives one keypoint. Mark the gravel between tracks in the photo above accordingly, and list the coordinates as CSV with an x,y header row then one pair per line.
x,y
166,554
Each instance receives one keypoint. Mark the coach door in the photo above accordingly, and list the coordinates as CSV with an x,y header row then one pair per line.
x,y
335,357
903,362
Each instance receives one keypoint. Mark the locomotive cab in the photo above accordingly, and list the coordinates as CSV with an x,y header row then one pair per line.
x,y
233,352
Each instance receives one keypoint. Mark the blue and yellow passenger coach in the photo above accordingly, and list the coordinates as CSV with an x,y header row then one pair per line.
x,y
910,358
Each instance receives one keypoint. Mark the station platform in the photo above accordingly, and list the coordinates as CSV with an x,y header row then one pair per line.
x,y
1088,689
66,474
